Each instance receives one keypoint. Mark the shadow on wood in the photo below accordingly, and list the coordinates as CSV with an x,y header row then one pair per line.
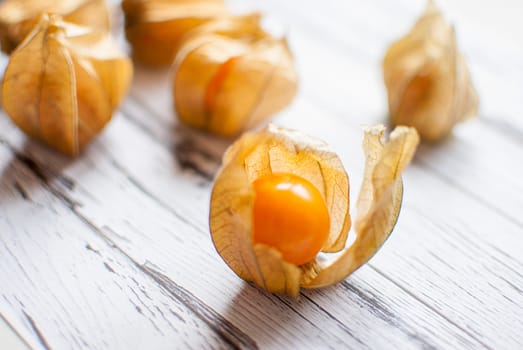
x,y
198,151
46,171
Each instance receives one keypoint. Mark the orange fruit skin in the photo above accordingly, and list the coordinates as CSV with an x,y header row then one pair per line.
x,y
216,82
290,215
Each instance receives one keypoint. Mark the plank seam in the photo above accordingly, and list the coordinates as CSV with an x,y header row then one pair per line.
x,y
470,194
341,324
36,330
16,331
385,314
430,307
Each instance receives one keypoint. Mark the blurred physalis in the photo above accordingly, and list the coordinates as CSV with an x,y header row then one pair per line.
x,y
427,80
63,82
230,75
18,17
280,206
155,28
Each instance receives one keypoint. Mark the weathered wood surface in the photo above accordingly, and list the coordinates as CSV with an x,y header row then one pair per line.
x,y
112,250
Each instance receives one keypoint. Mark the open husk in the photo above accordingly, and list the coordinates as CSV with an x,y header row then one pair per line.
x,y
17,18
231,75
283,151
427,80
63,82
155,28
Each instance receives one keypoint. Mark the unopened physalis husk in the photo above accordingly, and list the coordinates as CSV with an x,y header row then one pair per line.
x,y
18,17
427,80
155,28
277,150
231,75
63,82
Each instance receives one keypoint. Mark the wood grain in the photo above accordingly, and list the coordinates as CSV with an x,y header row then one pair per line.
x,y
73,288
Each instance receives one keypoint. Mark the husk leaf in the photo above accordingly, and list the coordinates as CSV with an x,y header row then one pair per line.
x,y
63,82
255,154
378,203
155,28
17,18
259,81
428,83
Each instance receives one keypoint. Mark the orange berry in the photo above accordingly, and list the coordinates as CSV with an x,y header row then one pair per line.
x,y
290,215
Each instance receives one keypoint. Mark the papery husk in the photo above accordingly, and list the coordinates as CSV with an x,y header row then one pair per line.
x,y
63,82
260,81
279,150
17,18
378,205
253,155
155,28
427,80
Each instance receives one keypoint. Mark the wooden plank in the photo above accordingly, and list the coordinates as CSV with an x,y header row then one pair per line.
x,y
159,239
71,288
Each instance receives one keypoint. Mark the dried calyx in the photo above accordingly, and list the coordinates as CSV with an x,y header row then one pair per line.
x,y
230,75
427,80
18,18
155,28
280,151
63,82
